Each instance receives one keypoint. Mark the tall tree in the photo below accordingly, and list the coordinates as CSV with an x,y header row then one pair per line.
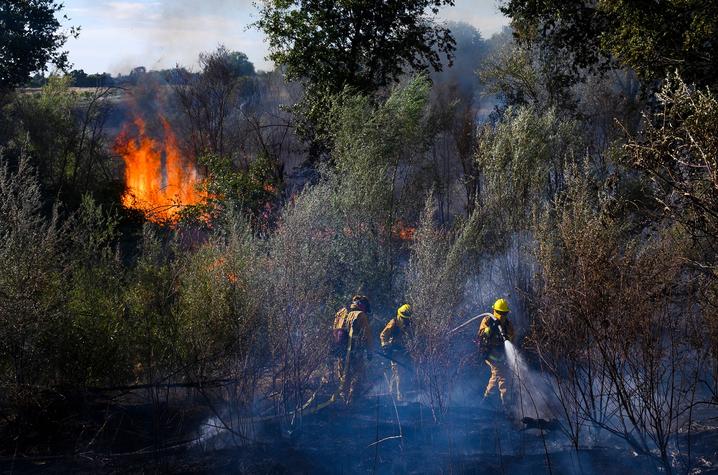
x,y
653,38
209,98
30,38
364,44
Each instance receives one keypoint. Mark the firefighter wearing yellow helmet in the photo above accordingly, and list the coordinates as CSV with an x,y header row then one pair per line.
x,y
394,339
493,331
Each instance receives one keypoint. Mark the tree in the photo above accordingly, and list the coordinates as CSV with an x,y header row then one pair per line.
x,y
211,98
63,132
363,44
677,149
30,38
238,63
653,38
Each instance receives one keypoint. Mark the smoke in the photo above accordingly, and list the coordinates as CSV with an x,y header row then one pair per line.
x,y
186,28
162,34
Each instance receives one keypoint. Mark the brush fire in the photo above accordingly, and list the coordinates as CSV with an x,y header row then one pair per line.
x,y
159,180
374,240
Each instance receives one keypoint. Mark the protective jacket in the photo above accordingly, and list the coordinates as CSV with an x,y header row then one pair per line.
x,y
395,334
393,342
352,337
490,339
352,324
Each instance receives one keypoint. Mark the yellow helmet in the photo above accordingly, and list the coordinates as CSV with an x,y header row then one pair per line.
x,y
404,311
501,307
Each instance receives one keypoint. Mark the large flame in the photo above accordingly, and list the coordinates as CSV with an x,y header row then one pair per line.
x,y
158,180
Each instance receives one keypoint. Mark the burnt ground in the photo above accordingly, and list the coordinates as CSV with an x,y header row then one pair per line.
x,y
122,433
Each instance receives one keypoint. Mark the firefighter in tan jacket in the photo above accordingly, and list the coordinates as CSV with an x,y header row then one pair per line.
x,y
493,331
353,345
394,339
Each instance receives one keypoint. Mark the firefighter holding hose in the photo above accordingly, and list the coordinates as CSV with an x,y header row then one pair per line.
x,y
394,339
494,330
353,343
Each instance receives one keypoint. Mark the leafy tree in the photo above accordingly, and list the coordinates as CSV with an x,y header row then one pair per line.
x,y
364,44
79,77
653,38
30,37
238,63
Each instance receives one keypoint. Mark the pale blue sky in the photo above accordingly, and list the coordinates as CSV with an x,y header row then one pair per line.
x,y
118,35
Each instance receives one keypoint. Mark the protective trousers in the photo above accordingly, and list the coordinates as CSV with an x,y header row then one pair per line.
x,y
401,375
498,377
395,381
351,376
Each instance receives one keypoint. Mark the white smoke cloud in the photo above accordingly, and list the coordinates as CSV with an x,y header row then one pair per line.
x,y
118,35
483,14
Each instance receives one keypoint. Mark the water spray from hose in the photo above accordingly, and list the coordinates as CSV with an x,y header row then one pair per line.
x,y
531,392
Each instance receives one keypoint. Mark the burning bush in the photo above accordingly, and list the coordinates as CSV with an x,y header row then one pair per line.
x,y
159,179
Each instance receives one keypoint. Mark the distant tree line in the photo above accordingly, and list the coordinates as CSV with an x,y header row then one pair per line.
x,y
238,63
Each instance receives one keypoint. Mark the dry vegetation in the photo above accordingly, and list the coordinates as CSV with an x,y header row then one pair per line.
x,y
614,289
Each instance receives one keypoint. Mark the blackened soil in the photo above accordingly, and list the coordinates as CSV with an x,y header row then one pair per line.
x,y
371,436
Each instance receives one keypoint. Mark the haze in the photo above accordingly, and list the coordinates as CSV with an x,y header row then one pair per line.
x,y
117,36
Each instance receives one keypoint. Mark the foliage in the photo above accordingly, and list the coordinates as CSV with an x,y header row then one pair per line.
x,y
209,100
374,145
529,75
653,38
30,37
677,150
62,133
436,281
253,193
31,264
621,356
522,159
361,46
91,346
81,79
217,309
235,61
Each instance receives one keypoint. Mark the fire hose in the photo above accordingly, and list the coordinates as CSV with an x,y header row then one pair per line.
x,y
393,360
304,409
469,321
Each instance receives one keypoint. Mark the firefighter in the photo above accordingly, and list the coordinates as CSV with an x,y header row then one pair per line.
x,y
493,331
353,344
394,339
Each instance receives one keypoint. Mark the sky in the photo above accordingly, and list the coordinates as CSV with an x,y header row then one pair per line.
x,y
116,36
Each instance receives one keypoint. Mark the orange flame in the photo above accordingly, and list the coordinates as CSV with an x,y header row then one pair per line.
x,y
158,180
402,231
